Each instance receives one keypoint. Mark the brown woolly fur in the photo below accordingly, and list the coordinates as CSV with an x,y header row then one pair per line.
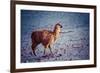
x,y
45,37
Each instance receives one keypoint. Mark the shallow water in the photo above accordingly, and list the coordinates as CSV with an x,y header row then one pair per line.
x,y
69,46
73,44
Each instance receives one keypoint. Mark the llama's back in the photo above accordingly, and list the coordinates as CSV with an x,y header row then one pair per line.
x,y
44,37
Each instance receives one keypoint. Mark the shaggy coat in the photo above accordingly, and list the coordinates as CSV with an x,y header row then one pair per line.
x,y
45,37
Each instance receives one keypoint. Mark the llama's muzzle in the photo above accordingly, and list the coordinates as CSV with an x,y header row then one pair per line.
x,y
60,26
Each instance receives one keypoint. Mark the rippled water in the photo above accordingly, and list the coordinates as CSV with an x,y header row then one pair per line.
x,y
69,46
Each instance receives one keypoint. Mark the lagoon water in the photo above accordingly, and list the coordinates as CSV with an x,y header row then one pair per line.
x,y
73,43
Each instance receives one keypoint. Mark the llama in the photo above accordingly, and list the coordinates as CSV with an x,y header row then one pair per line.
x,y
45,37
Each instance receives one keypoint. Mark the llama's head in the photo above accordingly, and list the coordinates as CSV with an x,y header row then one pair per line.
x,y
58,27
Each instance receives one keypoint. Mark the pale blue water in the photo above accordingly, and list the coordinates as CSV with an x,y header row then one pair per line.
x,y
72,45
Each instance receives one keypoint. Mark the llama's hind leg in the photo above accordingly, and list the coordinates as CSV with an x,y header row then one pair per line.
x,y
44,51
34,48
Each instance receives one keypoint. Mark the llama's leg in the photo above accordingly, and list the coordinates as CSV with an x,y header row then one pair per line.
x,y
34,48
50,49
44,51
45,47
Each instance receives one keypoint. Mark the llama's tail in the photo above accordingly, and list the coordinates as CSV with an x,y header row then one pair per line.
x,y
32,34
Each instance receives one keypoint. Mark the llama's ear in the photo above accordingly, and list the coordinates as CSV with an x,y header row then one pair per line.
x,y
59,22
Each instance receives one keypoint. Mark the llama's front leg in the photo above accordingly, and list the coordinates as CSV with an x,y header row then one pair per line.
x,y
45,47
50,49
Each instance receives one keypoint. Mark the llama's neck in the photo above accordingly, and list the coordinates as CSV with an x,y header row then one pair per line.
x,y
56,33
